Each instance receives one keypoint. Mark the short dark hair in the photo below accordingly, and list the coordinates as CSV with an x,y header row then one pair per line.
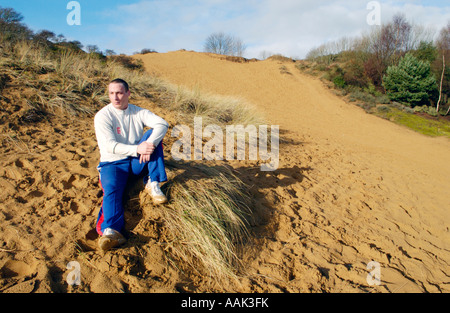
x,y
121,81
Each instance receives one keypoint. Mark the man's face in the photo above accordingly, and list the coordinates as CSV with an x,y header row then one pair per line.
x,y
118,96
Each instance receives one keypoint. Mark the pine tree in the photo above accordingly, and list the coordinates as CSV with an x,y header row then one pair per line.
x,y
410,82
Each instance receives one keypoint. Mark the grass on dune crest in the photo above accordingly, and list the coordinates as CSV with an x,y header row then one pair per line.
x,y
214,108
76,82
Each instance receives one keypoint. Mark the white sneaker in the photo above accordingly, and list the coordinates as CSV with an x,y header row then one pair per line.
x,y
110,239
155,192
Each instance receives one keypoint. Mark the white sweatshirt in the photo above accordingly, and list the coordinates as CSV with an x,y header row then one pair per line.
x,y
118,132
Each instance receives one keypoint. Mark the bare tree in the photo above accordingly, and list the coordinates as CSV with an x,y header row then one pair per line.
x,y
392,42
218,43
402,33
222,43
238,47
265,54
45,37
387,45
92,49
110,52
440,85
10,16
443,45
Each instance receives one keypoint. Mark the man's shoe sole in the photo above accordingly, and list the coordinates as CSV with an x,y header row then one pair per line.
x,y
159,201
106,243
156,200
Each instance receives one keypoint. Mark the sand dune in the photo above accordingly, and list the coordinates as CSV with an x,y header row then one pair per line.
x,y
351,187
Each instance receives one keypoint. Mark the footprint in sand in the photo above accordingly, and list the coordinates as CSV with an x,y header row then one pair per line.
x,y
15,269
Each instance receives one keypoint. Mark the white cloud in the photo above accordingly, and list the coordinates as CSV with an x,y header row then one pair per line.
x,y
290,27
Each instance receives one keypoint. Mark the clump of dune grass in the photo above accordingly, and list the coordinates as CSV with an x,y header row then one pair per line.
x,y
67,81
214,108
206,219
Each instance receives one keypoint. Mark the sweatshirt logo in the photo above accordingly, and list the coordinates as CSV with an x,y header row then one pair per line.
x,y
118,130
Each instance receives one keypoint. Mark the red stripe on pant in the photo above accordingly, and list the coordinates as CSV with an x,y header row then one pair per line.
x,y
100,219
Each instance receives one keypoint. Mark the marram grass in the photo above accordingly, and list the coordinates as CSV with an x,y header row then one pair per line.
x,y
76,83
206,218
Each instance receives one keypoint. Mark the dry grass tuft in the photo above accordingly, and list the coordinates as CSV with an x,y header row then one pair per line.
x,y
213,108
206,219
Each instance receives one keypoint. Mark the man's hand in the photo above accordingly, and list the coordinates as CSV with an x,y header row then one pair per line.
x,y
145,150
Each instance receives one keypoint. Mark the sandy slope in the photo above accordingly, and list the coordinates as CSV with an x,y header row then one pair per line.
x,y
351,187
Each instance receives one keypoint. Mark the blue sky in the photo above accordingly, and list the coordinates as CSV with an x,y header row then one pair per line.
x,y
289,27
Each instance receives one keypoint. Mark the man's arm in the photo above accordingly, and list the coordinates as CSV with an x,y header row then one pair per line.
x,y
158,124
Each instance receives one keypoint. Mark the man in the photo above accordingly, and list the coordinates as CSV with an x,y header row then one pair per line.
x,y
126,152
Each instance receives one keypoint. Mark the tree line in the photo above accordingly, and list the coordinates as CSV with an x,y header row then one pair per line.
x,y
12,31
407,62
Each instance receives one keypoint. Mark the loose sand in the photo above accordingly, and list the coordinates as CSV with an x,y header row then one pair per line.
x,y
350,188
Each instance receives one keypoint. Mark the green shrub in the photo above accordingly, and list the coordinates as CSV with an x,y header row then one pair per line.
x,y
354,74
339,82
383,108
383,99
432,111
362,96
372,90
421,109
408,110
411,82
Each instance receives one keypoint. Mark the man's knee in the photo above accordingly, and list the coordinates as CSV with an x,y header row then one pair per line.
x,y
113,177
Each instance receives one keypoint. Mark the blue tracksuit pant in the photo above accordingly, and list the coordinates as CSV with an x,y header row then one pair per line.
x,y
113,179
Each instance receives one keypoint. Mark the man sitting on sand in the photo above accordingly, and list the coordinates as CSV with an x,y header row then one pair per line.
x,y
126,152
